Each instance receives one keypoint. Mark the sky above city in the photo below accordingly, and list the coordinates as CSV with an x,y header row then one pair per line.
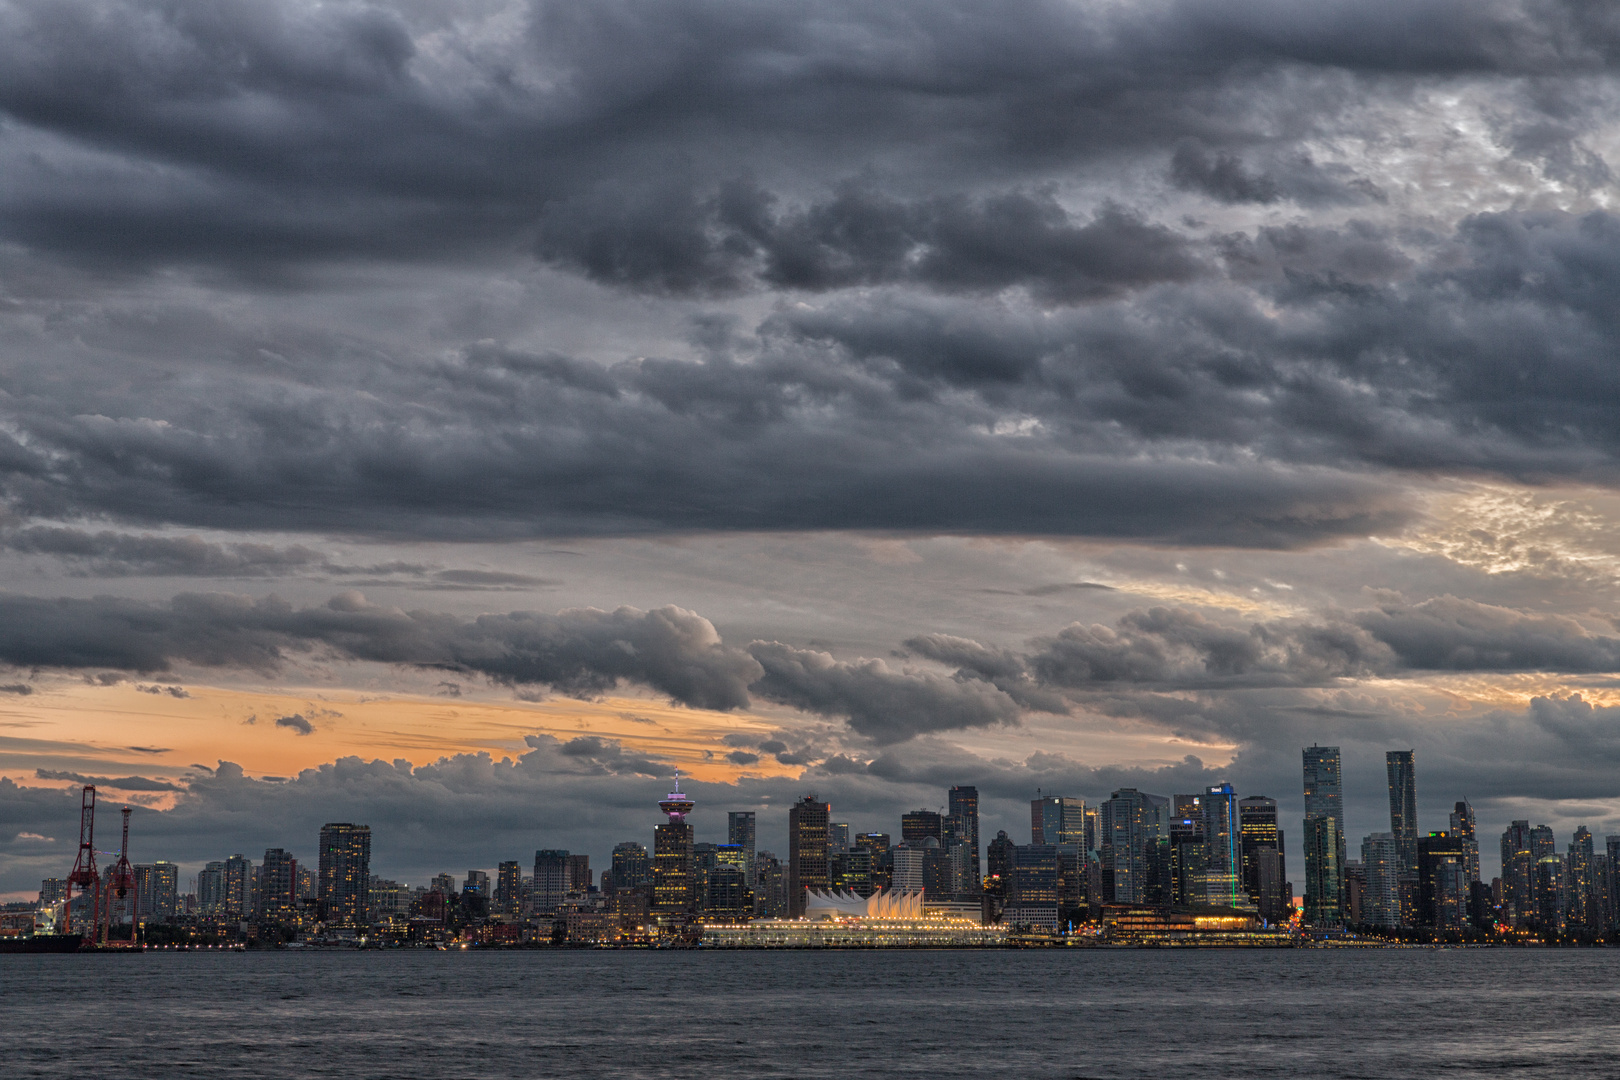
x,y
459,415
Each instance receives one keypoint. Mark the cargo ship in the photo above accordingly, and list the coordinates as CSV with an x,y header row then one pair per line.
x,y
41,943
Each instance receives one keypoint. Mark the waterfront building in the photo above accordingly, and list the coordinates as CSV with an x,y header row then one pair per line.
x,y
740,826
727,897
1381,897
673,871
211,889
1581,907
854,932
807,850
238,887
1032,898
157,889
1132,823
345,867
1186,842
1355,891
52,890
1223,848
1324,797
1264,871
770,886
551,880
1547,888
278,888
1323,871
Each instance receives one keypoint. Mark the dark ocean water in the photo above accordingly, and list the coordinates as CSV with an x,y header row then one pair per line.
x,y
1074,1013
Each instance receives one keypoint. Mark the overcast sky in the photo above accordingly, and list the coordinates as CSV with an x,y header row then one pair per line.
x,y
456,415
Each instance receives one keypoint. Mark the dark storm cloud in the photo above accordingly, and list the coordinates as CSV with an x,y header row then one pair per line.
x,y
1165,647
736,239
879,702
580,651
1004,337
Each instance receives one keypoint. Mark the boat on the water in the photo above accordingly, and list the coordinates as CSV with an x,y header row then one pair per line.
x,y
41,943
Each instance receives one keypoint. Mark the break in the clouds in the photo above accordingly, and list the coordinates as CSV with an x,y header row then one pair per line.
x,y
292,293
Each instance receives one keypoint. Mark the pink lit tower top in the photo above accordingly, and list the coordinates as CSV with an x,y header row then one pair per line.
x,y
677,804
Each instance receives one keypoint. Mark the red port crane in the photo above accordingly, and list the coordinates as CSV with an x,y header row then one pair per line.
x,y
84,867
120,883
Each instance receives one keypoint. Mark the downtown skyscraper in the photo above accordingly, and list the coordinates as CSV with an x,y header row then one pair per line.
x,y
1403,807
807,850
1324,844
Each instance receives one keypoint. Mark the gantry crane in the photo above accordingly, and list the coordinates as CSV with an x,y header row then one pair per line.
x,y
84,867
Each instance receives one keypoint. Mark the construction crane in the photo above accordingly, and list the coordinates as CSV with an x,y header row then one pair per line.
x,y
120,883
84,867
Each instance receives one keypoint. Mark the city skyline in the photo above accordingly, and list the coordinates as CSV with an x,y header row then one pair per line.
x,y
1066,819
1065,397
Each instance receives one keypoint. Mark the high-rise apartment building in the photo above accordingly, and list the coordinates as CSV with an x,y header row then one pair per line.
x,y
509,889
238,887
345,866
673,871
1464,828
807,850
1324,797
1518,872
1323,871
1381,897
1403,808
962,835
1583,904
157,889
837,837
631,867
740,826
1442,882
53,890
278,888
476,884
211,889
